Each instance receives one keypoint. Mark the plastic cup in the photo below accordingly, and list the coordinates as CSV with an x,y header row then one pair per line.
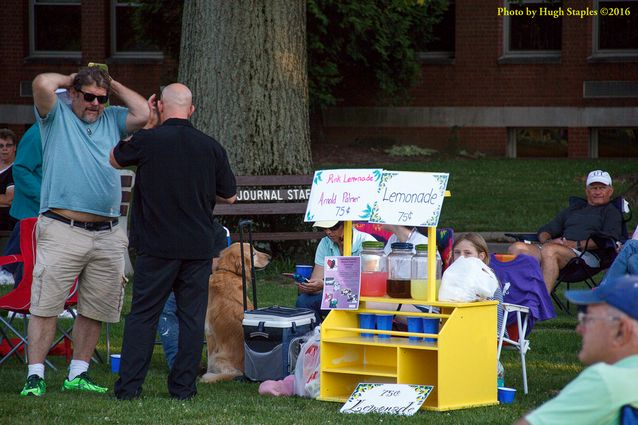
x,y
303,270
384,323
506,395
366,321
415,324
115,363
430,326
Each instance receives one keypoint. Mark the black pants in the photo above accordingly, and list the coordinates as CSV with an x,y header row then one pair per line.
x,y
155,278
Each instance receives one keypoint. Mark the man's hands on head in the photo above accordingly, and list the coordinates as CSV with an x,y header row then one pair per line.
x,y
44,87
71,78
153,117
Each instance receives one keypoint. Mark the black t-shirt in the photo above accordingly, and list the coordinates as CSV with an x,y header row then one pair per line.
x,y
6,179
581,220
180,170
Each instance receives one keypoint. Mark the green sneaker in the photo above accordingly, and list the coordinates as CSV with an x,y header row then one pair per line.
x,y
34,386
82,382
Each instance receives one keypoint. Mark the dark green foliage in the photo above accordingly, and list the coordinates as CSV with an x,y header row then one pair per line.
x,y
372,43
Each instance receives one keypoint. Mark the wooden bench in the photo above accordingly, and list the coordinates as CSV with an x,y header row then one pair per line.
x,y
271,195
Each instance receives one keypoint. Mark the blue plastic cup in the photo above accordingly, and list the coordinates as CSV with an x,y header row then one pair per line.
x,y
506,395
303,270
415,324
366,321
115,363
384,323
430,326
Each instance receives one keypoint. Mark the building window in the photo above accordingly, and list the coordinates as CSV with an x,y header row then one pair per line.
x,y
537,143
125,41
532,28
442,45
55,28
614,32
614,143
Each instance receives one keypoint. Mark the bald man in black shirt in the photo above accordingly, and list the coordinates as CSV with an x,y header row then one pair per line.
x,y
181,174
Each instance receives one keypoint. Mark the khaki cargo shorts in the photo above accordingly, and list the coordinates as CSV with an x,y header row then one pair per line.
x,y
65,252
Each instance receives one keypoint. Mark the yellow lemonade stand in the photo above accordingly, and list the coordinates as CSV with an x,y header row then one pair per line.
x,y
460,364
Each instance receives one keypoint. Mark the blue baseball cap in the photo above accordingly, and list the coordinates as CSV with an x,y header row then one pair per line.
x,y
621,293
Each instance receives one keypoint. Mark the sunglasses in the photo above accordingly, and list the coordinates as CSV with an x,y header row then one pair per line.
x,y
8,145
90,97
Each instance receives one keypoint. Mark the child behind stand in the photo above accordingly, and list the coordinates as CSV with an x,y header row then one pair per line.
x,y
473,245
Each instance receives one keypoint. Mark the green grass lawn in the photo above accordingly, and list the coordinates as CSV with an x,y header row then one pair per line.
x,y
487,195
551,363
514,194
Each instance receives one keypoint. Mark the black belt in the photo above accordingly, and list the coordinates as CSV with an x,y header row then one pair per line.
x,y
93,226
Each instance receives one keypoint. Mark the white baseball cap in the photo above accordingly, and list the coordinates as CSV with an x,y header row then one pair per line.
x,y
599,176
326,224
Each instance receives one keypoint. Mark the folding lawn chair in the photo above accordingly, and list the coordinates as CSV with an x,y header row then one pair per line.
x,y
577,270
18,301
444,238
525,302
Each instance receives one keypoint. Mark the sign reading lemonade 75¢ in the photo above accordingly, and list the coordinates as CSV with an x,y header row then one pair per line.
x,y
393,399
409,198
344,194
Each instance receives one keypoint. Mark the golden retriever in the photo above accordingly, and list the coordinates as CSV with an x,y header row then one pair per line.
x,y
224,332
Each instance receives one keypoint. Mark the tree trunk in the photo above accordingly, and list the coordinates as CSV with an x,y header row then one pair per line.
x,y
245,61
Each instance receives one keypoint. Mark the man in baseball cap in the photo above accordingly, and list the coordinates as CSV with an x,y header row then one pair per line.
x,y
599,176
567,235
608,325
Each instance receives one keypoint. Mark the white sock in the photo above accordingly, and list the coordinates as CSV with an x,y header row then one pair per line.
x,y
36,369
77,367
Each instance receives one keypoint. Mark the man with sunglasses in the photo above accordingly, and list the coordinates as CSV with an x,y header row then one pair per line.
x,y
608,324
77,232
330,245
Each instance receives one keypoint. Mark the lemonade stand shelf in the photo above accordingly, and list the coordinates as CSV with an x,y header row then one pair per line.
x,y
461,364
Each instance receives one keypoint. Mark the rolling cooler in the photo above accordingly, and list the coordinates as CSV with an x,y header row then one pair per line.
x,y
268,331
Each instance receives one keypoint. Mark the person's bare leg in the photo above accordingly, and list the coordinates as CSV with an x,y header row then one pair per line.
x,y
525,248
553,258
86,333
40,333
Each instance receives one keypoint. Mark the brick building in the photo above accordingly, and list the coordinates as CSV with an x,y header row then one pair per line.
x,y
515,85
561,83
59,36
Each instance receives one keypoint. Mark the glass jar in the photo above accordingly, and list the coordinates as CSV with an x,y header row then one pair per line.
x,y
419,277
400,270
374,269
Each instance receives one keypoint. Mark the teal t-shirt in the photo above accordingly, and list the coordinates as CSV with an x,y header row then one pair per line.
x,y
327,248
76,173
595,397
27,175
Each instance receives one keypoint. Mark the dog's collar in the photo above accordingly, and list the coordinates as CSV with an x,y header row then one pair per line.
x,y
225,270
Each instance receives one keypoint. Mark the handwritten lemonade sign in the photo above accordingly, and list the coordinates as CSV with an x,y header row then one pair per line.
x,y
394,399
409,198
342,194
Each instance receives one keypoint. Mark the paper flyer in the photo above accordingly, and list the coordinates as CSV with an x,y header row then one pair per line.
x,y
342,282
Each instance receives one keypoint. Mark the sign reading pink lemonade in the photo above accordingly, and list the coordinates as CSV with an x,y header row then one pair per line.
x,y
344,194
